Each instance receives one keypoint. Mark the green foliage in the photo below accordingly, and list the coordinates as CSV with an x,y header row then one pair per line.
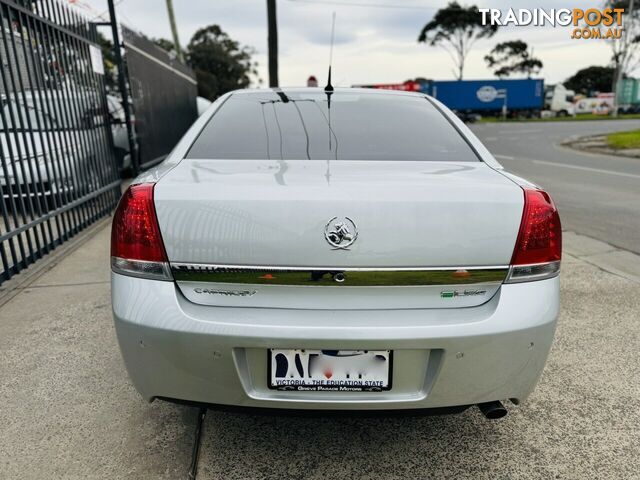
x,y
590,80
220,63
624,140
456,28
109,58
513,57
625,54
163,43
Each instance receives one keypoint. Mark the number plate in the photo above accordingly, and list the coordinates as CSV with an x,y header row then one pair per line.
x,y
330,370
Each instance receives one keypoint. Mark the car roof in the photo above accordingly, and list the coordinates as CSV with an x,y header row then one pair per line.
x,y
337,90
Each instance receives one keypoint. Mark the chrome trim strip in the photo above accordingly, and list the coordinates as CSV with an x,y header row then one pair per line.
x,y
214,267
338,276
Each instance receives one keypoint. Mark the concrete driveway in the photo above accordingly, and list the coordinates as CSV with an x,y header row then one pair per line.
x,y
68,410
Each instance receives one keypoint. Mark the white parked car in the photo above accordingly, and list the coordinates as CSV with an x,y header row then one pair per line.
x,y
202,104
346,250
50,144
119,133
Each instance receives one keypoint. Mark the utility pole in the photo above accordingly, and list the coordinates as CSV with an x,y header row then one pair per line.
x,y
122,84
272,41
174,31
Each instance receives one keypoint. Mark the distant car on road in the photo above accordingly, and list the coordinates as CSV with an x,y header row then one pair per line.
x,y
351,249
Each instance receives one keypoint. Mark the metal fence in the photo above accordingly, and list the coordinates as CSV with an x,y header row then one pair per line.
x,y
163,92
57,168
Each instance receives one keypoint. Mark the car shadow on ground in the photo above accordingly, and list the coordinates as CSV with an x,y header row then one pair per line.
x,y
237,445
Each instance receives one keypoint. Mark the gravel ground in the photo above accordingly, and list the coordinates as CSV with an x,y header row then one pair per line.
x,y
68,409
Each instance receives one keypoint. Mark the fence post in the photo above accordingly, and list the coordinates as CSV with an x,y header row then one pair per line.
x,y
123,88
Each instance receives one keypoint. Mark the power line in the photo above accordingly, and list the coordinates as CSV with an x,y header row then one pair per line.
x,y
365,4
93,11
102,16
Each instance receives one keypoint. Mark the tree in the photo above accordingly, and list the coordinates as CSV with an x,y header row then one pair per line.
x,y
417,80
512,58
625,54
109,59
456,28
167,45
590,80
220,63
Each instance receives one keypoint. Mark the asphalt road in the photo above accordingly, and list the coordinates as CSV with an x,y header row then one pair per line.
x,y
597,195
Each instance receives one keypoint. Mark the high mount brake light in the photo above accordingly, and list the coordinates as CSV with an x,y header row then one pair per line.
x,y
136,244
538,249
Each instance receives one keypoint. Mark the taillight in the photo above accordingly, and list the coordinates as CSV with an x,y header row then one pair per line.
x,y
136,243
539,246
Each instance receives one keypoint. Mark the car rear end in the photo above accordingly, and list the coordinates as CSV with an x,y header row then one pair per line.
x,y
231,287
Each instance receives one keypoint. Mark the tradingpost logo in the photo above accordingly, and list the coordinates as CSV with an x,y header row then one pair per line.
x,y
591,23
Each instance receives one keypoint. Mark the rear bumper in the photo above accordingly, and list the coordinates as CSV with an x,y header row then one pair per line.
x,y
442,357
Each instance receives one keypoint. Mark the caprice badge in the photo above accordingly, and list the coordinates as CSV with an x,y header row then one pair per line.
x,y
341,232
226,293
462,293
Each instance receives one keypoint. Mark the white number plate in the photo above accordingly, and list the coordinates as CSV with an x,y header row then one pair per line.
x,y
330,370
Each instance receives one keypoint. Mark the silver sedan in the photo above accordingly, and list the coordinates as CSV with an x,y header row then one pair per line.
x,y
347,249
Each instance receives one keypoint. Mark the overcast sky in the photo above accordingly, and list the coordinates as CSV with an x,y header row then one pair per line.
x,y
372,44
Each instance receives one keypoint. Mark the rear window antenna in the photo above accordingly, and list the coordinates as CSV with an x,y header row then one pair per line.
x,y
329,88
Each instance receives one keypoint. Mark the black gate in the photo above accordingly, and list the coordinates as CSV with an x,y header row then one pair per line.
x,y
163,93
57,169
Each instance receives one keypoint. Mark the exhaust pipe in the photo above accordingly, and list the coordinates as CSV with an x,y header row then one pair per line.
x,y
492,410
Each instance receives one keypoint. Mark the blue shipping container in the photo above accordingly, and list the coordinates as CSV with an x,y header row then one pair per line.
x,y
483,95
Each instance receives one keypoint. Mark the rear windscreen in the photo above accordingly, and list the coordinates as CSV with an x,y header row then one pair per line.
x,y
341,126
